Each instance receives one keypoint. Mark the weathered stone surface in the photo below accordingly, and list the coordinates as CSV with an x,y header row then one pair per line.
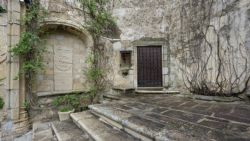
x,y
43,132
64,63
166,117
98,130
68,131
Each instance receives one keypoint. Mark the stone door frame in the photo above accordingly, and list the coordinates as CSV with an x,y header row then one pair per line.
x,y
165,59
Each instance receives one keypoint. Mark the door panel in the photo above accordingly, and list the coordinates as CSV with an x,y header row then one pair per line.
x,y
149,59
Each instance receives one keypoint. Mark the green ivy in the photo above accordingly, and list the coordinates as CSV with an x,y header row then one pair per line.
x,y
1,103
2,10
100,23
30,49
72,101
26,44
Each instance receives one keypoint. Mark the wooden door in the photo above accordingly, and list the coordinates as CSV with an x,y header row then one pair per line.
x,y
149,64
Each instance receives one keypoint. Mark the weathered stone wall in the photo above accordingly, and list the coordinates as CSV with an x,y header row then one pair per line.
x,y
67,44
65,62
141,24
3,50
181,24
9,66
191,32
208,37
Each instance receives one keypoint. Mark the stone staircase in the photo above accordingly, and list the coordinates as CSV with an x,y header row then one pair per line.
x,y
157,118
105,123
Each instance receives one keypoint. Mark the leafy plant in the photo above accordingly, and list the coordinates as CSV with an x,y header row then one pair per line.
x,y
2,10
100,23
77,101
67,102
26,105
1,103
29,48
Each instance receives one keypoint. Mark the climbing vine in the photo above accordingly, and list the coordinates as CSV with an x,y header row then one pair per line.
x,y
99,23
213,53
29,49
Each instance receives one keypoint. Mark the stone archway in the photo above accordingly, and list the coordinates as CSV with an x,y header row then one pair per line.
x,y
64,61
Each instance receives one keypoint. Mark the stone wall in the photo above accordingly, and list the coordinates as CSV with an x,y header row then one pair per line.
x,y
210,38
191,32
181,23
65,62
3,50
141,24
176,26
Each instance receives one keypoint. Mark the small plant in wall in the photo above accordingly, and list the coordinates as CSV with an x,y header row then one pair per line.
x,y
66,105
2,10
1,107
1,103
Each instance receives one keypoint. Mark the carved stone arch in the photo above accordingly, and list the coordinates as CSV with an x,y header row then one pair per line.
x,y
69,26
67,46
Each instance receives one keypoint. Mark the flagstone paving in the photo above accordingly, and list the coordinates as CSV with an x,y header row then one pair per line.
x,y
181,118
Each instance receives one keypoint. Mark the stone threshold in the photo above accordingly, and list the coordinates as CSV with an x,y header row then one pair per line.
x,y
156,92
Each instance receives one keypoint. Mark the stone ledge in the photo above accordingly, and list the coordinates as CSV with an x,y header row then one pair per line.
x,y
156,92
44,94
213,98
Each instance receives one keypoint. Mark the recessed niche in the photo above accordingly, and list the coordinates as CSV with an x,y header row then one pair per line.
x,y
125,63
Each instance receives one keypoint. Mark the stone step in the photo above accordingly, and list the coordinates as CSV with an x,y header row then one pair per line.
x,y
156,92
41,131
147,128
68,131
149,122
98,130
151,88
138,127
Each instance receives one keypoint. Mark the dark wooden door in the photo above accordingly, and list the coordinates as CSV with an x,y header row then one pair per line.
x,y
149,60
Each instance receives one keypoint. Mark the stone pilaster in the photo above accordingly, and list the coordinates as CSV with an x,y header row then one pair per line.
x,y
13,62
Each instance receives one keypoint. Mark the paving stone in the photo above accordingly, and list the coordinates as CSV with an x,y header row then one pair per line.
x,y
177,118
159,109
183,115
43,132
214,124
188,105
232,117
201,112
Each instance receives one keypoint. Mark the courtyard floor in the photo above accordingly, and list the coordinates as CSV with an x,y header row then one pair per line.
x,y
181,118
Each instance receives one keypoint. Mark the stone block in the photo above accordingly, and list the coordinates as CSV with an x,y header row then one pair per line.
x,y
16,5
117,46
164,70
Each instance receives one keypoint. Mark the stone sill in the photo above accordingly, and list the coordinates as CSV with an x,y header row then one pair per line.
x,y
57,93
